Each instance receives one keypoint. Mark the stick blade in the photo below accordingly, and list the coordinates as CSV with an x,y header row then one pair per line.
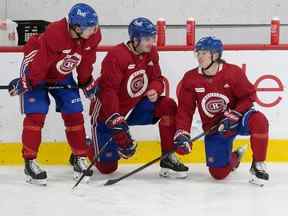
x,y
111,182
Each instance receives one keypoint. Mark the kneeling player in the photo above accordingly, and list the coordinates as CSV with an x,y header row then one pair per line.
x,y
131,80
67,45
222,93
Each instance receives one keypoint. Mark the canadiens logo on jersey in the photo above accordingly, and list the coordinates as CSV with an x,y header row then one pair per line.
x,y
68,63
214,103
137,83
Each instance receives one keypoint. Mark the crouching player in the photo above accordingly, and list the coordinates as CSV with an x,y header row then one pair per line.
x,y
131,80
222,93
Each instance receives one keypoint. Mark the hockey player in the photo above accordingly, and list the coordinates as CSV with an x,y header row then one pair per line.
x,y
131,80
49,59
222,93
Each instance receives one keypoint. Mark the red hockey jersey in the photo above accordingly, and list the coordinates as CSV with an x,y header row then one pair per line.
x,y
228,89
54,54
125,78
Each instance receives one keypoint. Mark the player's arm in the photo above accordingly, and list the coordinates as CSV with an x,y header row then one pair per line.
x,y
156,85
245,93
85,69
184,117
34,67
110,81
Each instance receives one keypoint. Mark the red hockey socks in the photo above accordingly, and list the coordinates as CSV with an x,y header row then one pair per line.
x,y
166,109
31,135
75,133
259,128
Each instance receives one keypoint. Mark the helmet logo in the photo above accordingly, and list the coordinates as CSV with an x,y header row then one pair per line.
x,y
81,13
138,23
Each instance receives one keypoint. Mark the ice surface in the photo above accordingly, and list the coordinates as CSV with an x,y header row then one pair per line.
x,y
144,194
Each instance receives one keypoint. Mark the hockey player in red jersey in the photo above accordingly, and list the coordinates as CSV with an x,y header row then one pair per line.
x,y
49,59
222,94
131,80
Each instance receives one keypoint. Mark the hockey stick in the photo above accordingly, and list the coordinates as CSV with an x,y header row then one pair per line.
x,y
114,181
6,87
98,155
92,163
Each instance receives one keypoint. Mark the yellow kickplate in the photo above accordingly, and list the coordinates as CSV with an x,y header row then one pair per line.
x,y
53,153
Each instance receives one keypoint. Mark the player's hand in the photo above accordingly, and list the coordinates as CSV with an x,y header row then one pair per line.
x,y
182,142
121,135
230,121
18,86
91,89
152,95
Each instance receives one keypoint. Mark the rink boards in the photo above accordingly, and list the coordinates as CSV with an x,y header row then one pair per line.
x,y
267,69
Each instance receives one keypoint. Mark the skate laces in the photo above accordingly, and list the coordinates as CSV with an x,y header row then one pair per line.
x,y
173,158
82,163
261,166
35,167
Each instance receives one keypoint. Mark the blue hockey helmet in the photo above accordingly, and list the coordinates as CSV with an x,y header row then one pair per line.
x,y
141,27
82,15
212,44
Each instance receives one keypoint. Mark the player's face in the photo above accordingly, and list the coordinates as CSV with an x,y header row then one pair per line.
x,y
204,58
146,44
89,31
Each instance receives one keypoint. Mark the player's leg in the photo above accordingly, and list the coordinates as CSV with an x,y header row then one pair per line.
x,y
163,111
108,160
68,102
101,134
256,124
34,104
220,159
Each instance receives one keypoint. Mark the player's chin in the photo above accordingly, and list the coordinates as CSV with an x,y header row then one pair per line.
x,y
147,49
85,36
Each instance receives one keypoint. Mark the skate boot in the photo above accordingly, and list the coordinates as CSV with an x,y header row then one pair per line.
x,y
259,175
34,173
80,166
172,167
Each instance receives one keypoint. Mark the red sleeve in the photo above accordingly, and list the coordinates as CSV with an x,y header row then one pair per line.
x,y
38,66
110,80
186,105
244,90
85,69
154,71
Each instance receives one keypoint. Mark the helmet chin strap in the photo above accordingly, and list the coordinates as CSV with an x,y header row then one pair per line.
x,y
135,46
77,33
210,65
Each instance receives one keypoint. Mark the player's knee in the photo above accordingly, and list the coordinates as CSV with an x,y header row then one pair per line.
x,y
107,167
219,173
73,119
258,123
34,120
166,106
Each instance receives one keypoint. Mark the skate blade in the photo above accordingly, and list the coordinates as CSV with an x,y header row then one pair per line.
x,y
77,176
168,173
40,182
256,181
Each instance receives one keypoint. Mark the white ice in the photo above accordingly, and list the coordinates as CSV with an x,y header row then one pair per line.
x,y
145,194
